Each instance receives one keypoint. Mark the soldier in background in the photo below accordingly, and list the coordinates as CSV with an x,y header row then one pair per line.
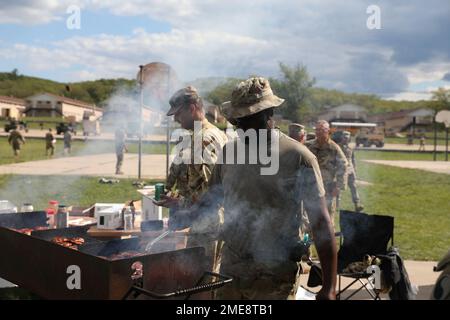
x,y
297,132
67,142
49,143
16,139
332,162
188,179
351,169
120,147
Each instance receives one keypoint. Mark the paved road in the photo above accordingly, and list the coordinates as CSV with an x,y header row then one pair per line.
x,y
433,166
103,165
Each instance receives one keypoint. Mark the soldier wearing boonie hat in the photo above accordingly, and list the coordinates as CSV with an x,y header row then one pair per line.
x,y
261,224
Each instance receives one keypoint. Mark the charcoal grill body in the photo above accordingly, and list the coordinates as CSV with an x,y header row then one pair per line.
x,y
46,268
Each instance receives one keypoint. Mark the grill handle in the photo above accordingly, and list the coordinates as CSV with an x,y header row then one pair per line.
x,y
223,280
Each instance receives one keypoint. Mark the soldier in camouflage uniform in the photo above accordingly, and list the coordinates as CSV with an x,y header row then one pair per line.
x,y
351,169
332,162
261,211
16,139
191,169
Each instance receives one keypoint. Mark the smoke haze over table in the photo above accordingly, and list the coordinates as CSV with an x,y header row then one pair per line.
x,y
404,59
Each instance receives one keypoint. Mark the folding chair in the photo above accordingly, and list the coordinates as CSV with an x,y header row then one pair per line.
x,y
362,234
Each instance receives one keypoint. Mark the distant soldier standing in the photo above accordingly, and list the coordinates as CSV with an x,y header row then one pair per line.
x,y
297,132
351,169
67,141
332,163
120,148
16,139
49,143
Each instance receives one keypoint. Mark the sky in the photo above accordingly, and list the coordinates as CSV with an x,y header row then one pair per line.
x,y
405,58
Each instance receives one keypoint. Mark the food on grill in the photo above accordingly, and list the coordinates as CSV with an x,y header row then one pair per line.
x,y
25,231
78,241
71,243
28,231
124,255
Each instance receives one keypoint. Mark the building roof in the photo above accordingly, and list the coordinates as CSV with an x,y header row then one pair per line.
x,y
401,114
74,102
13,100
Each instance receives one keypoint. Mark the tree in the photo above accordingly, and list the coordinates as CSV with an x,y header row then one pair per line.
x,y
295,87
440,99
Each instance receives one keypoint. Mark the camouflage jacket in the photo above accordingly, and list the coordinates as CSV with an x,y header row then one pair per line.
x,y
190,180
332,162
350,155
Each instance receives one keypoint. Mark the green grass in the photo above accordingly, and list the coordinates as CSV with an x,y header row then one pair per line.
x,y
418,200
34,149
388,155
69,190
429,141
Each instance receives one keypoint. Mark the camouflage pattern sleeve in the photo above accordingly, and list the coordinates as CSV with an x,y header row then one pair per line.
x,y
341,169
310,180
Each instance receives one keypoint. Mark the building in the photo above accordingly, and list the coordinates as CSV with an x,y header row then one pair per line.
x,y
403,120
344,113
11,107
51,105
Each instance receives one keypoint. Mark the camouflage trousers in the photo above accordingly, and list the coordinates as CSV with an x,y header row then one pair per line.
x,y
257,281
119,162
352,186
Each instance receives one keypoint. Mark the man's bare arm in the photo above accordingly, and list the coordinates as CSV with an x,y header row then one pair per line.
x,y
325,243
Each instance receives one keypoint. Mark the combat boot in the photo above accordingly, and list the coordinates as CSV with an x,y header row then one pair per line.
x,y
359,207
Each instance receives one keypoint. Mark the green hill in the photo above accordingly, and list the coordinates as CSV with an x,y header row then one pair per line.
x,y
21,86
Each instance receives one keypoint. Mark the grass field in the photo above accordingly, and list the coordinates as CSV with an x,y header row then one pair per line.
x,y
69,190
34,149
418,200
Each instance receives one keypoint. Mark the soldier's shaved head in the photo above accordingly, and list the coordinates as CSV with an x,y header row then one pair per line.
x,y
322,131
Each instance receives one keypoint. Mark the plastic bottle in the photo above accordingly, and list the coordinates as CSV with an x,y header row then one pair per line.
x,y
62,217
51,218
51,210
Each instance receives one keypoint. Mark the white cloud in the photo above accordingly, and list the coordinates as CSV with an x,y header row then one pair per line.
x,y
238,38
33,12
411,96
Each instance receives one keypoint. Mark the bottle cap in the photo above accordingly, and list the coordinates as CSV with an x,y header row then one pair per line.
x,y
53,202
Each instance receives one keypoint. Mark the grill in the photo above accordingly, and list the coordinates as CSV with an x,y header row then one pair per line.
x,y
47,269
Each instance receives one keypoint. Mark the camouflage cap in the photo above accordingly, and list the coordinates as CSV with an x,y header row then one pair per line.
x,y
249,97
296,127
181,98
